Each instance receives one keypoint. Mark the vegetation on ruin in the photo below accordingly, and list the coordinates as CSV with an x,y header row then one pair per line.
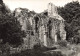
x,y
11,33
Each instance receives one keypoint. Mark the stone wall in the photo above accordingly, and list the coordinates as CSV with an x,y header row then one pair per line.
x,y
47,30
58,22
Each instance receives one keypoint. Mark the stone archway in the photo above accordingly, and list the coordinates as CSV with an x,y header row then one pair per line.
x,y
36,19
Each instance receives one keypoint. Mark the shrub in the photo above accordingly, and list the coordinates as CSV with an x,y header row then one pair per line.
x,y
5,49
37,46
62,43
75,39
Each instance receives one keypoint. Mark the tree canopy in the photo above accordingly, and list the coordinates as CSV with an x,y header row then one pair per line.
x,y
71,14
10,30
69,11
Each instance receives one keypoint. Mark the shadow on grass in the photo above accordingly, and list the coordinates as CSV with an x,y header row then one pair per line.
x,y
38,51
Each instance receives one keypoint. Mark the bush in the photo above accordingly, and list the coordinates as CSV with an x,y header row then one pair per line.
x,y
62,43
5,49
37,47
75,39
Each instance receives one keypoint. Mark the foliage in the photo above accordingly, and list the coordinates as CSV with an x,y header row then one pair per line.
x,y
70,12
5,49
3,8
62,43
75,39
10,30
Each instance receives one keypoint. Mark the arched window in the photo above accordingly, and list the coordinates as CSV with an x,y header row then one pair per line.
x,y
36,23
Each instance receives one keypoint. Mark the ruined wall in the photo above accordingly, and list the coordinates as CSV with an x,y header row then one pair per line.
x,y
52,10
25,17
40,29
42,33
62,31
46,29
58,23
49,29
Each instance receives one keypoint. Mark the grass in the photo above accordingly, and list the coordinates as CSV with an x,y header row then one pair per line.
x,y
70,50
41,51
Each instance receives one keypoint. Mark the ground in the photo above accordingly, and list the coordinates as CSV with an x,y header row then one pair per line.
x,y
69,50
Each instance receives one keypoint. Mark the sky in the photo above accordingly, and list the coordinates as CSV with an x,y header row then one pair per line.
x,y
36,5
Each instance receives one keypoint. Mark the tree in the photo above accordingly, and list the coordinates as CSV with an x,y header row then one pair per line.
x,y
71,14
69,11
10,30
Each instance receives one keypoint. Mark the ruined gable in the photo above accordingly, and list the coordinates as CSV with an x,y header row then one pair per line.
x,y
24,17
52,12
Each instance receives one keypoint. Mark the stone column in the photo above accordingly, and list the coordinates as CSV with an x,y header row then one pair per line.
x,y
45,40
55,38
54,35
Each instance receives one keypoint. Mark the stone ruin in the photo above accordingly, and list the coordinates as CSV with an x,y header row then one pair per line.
x,y
51,28
45,30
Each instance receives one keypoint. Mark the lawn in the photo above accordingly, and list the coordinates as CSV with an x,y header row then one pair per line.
x,y
69,50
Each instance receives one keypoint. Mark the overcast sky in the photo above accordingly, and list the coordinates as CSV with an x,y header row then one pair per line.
x,y
36,5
